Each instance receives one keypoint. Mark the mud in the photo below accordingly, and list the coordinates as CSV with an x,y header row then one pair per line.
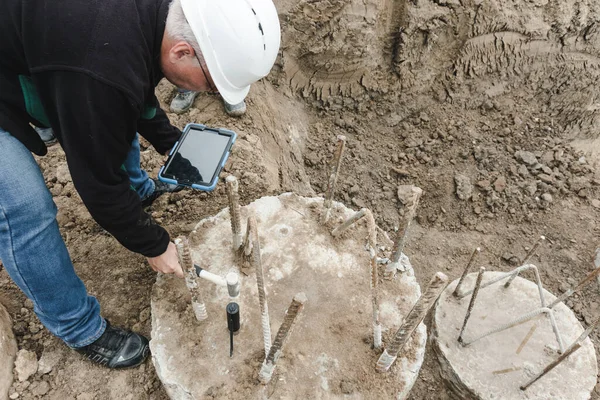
x,y
424,91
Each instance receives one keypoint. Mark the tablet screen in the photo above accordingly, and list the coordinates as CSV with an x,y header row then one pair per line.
x,y
198,157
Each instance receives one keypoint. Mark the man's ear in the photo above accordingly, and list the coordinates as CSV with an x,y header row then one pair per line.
x,y
180,51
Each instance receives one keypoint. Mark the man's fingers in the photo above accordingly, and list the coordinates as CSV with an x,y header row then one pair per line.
x,y
168,262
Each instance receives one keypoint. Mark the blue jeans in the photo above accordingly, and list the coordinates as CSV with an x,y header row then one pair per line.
x,y
137,177
34,254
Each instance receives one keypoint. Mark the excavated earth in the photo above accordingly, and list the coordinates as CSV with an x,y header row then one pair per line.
x,y
490,107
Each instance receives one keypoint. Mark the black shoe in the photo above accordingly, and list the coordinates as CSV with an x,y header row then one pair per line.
x,y
160,188
117,348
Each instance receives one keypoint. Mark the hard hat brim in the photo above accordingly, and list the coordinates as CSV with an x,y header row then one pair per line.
x,y
230,93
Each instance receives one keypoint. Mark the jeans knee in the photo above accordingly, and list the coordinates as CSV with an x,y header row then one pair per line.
x,y
34,209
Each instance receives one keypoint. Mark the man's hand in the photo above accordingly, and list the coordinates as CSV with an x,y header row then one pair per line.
x,y
167,262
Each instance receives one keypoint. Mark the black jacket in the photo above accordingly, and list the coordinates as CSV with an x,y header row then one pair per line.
x,y
88,69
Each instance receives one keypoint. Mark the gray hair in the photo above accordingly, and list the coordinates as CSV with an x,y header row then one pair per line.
x,y
178,28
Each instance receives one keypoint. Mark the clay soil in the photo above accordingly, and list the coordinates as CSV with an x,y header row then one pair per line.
x,y
490,107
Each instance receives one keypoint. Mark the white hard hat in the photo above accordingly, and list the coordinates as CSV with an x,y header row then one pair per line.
x,y
239,40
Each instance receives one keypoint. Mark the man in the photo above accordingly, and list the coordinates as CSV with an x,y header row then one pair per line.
x,y
88,70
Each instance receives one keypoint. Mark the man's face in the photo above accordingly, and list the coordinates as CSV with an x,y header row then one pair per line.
x,y
183,68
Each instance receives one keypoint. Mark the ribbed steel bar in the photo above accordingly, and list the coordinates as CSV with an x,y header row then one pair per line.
x,y
526,259
191,279
348,223
394,266
372,235
266,371
584,282
466,271
234,210
572,348
437,284
260,283
471,303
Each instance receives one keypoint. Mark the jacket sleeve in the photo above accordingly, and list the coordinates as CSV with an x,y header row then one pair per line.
x,y
159,131
95,124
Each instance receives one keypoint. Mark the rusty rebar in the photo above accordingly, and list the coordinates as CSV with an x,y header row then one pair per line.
x,y
372,235
191,279
471,303
437,284
572,348
527,337
246,248
234,210
266,371
260,283
466,271
527,257
348,223
394,266
333,177
584,282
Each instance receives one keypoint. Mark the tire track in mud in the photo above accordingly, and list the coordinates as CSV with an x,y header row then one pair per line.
x,y
333,46
565,79
345,53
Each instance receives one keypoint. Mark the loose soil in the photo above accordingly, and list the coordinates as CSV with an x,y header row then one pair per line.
x,y
490,107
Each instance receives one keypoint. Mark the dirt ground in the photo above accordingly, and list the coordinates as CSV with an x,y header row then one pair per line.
x,y
490,107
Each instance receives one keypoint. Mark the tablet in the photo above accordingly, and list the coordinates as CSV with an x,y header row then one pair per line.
x,y
198,157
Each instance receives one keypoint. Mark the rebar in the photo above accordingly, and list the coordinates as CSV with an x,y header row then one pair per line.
x,y
403,233
506,371
572,348
543,309
584,282
266,371
234,210
538,279
246,248
471,303
527,257
466,271
498,279
185,259
527,337
348,223
333,177
372,235
522,319
437,284
260,282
